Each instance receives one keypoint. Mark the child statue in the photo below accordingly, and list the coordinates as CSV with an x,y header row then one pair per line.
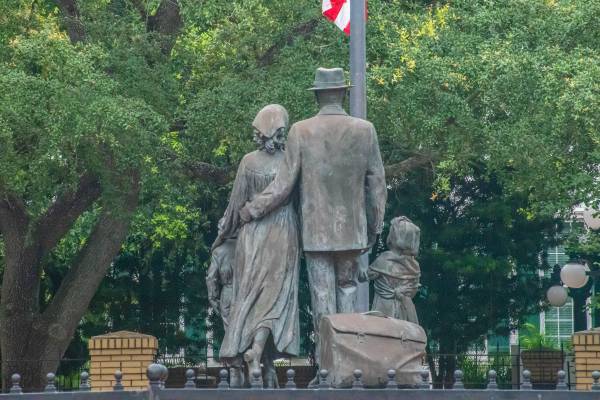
x,y
219,284
396,272
219,279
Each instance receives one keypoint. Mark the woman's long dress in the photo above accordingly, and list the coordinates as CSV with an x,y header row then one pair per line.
x,y
265,285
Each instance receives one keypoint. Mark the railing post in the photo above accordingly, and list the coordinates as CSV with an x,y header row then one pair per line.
x,y
50,386
492,384
323,383
291,374
190,379
154,372
526,384
16,384
596,378
223,377
391,383
118,381
84,384
561,384
458,379
357,384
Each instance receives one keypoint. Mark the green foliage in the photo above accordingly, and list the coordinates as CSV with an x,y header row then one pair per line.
x,y
530,338
502,95
61,115
479,258
510,85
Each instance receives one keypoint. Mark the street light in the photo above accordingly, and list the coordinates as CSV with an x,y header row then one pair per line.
x,y
575,274
557,295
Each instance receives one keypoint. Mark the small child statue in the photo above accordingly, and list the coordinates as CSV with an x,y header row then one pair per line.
x,y
219,283
396,272
219,279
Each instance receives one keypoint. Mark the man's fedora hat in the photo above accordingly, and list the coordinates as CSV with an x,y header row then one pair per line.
x,y
329,78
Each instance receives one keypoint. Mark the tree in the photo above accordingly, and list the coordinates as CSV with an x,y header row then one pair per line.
x,y
75,141
98,97
479,261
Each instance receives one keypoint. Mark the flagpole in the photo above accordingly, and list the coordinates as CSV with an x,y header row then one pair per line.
x,y
358,59
358,103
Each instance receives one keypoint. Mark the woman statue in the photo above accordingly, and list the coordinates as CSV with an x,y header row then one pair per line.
x,y
263,319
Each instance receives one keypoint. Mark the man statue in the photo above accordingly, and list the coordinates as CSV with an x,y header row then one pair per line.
x,y
333,161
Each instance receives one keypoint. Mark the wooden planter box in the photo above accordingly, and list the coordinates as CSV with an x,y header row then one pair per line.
x,y
543,365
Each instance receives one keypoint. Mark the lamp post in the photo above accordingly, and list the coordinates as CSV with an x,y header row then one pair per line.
x,y
575,274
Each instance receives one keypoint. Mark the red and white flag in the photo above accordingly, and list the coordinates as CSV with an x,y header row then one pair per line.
x,y
338,11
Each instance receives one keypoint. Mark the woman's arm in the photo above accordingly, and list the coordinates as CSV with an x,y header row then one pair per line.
x,y
237,200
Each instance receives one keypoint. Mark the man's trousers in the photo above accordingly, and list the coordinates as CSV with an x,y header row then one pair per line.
x,y
332,277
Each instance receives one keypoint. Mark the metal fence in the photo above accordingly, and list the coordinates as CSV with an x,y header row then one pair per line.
x,y
543,365
508,367
157,375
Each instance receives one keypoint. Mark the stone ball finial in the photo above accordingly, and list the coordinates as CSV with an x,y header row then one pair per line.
x,y
526,374
323,373
391,374
118,375
492,374
596,378
291,374
16,384
357,374
84,376
223,379
562,374
154,372
190,379
223,374
256,373
50,387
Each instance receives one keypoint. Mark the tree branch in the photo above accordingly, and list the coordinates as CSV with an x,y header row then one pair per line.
x,y
13,219
139,6
302,30
208,172
61,215
222,175
71,17
89,268
168,22
410,164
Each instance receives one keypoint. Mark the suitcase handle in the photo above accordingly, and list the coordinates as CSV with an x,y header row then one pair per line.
x,y
375,314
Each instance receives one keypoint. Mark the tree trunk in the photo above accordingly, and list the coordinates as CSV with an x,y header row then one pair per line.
x,y
19,314
447,365
32,343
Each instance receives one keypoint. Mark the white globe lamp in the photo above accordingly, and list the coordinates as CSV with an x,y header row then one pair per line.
x,y
557,295
574,274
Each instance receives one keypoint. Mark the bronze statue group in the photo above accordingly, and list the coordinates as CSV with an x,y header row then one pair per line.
x,y
321,195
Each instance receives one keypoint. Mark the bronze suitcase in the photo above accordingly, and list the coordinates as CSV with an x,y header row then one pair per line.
x,y
373,343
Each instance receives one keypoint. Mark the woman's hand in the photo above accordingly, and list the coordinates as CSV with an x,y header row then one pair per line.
x,y
245,215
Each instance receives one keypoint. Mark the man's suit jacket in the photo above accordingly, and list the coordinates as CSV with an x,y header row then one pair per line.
x,y
334,161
